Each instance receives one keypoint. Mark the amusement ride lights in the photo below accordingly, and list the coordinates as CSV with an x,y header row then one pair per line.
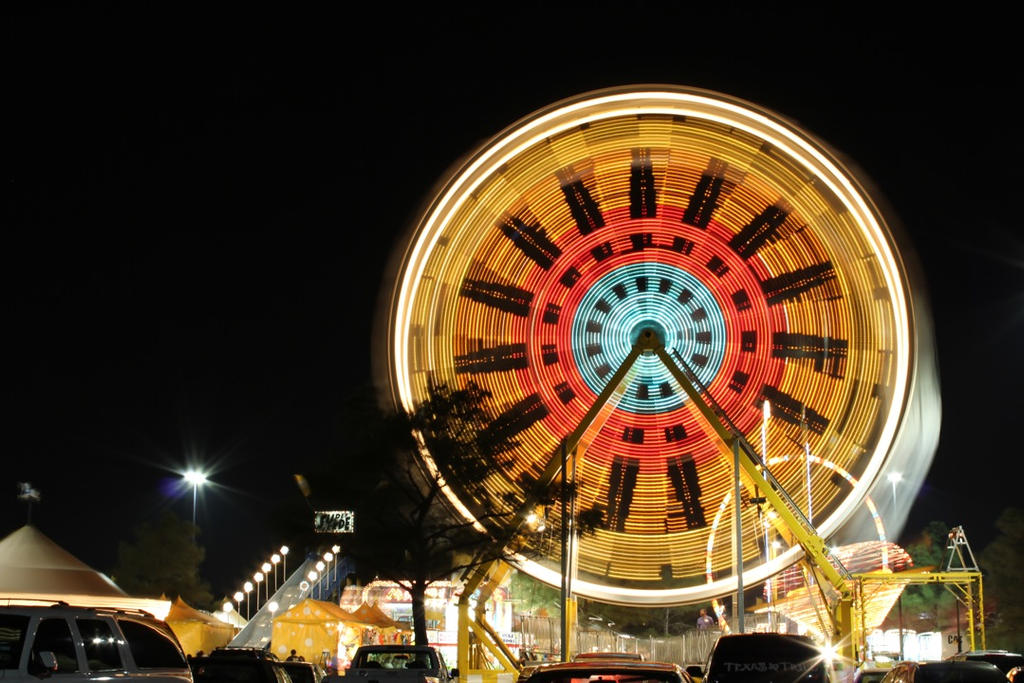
x,y
760,262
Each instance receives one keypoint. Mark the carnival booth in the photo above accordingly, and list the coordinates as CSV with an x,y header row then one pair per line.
x,y
375,616
314,629
197,631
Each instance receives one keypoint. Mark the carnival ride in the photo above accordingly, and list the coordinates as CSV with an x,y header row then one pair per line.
x,y
644,278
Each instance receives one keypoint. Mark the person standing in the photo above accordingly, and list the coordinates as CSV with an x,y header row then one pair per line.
x,y
704,620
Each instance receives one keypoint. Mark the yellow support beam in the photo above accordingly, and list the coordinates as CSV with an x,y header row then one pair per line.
x,y
842,611
962,581
471,659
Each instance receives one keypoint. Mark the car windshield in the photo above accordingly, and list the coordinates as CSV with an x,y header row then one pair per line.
x,y
397,660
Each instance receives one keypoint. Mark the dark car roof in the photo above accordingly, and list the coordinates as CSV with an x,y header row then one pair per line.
x,y
956,672
233,669
1001,658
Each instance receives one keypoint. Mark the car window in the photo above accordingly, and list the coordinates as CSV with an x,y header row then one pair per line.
x,y
12,639
54,635
281,673
101,645
871,676
301,673
151,648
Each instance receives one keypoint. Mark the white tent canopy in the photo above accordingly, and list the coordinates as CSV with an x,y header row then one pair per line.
x,y
34,568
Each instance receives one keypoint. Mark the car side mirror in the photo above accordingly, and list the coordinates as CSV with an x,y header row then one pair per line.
x,y
695,671
42,664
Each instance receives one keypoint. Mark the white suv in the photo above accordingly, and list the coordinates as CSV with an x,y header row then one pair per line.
x,y
83,643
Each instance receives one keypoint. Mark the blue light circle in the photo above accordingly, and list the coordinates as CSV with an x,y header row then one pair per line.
x,y
634,297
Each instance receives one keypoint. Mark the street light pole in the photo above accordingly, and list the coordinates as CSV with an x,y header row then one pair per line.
x,y
248,589
266,572
258,578
196,479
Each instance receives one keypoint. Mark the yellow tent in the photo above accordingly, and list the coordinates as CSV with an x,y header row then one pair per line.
x,y
375,616
197,630
310,628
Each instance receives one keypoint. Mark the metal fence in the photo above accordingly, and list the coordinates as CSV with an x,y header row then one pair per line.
x,y
541,638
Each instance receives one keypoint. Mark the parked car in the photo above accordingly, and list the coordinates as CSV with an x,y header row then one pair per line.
x,y
605,670
766,658
239,665
399,664
1005,661
76,643
944,672
304,672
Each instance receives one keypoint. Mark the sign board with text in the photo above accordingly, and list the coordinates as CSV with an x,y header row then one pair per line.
x,y
334,521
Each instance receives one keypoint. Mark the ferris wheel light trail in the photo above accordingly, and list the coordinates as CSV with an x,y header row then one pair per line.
x,y
764,264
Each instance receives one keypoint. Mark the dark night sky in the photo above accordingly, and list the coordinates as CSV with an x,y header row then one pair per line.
x,y
198,205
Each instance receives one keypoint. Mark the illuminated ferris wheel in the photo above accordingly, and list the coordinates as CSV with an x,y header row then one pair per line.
x,y
744,244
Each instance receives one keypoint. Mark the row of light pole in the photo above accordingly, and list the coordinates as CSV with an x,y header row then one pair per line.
x,y
258,577
195,479
329,562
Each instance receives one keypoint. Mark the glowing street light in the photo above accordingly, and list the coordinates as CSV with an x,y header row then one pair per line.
x,y
258,577
227,607
238,601
196,479
320,566
331,567
275,558
284,561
